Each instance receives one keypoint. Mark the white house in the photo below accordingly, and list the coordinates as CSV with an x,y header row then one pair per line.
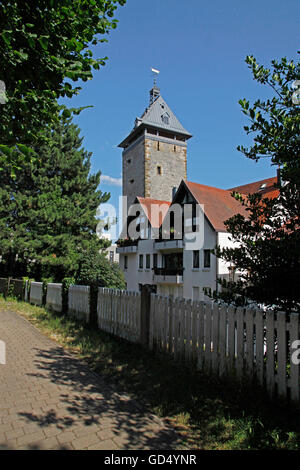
x,y
173,252
172,224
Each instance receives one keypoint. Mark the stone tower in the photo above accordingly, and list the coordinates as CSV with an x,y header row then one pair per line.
x,y
154,153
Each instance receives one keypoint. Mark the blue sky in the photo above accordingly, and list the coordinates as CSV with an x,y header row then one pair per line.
x,y
200,49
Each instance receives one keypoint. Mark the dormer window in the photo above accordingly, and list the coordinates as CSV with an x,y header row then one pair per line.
x,y
165,118
159,170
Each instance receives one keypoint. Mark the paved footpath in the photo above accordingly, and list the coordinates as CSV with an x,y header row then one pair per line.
x,y
50,400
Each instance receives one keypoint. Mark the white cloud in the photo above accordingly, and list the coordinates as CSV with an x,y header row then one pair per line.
x,y
110,180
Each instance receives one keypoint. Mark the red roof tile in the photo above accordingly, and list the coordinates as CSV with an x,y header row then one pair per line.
x,y
265,187
154,209
219,205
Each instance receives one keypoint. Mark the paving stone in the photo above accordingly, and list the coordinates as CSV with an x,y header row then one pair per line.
x,y
50,400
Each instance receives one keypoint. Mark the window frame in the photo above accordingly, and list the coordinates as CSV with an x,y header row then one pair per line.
x,y
141,261
206,264
195,258
148,261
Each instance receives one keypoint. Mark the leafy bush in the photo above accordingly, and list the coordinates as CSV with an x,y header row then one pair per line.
x,y
96,269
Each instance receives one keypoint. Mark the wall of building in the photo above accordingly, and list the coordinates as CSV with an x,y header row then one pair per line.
x,y
140,167
195,279
171,157
111,253
133,171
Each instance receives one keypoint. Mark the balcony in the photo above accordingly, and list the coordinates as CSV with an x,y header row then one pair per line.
x,y
127,246
168,275
169,245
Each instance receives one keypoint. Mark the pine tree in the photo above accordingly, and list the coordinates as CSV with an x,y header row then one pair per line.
x,y
48,210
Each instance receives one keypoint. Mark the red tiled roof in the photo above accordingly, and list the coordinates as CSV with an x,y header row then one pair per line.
x,y
218,204
265,187
154,209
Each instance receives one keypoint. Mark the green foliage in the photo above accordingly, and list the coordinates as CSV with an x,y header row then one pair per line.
x,y
44,47
275,122
95,269
66,283
267,253
48,210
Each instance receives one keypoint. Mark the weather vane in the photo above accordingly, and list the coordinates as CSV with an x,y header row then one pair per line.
x,y
155,72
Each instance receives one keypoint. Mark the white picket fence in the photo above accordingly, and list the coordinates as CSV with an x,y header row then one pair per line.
x,y
219,340
119,313
79,302
54,297
36,293
229,341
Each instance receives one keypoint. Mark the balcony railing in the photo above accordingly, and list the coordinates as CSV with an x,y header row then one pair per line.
x,y
172,245
168,276
127,246
126,242
168,271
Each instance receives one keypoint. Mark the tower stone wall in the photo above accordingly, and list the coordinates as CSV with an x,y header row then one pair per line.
x,y
165,167
154,153
133,174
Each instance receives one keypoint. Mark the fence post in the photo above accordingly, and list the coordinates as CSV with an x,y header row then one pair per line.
x,y
145,314
93,299
7,287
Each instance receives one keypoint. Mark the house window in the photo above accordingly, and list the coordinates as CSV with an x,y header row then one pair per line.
x,y
158,145
159,170
125,262
141,260
207,258
196,259
111,256
147,261
174,148
155,260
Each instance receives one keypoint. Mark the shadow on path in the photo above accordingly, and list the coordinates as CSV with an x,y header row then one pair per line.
x,y
84,399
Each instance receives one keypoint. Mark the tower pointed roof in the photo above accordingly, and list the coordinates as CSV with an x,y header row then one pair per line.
x,y
158,115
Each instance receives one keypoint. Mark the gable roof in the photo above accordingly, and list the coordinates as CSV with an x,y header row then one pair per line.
x,y
154,209
218,204
153,117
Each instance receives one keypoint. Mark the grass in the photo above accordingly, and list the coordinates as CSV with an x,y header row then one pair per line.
x,y
210,414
